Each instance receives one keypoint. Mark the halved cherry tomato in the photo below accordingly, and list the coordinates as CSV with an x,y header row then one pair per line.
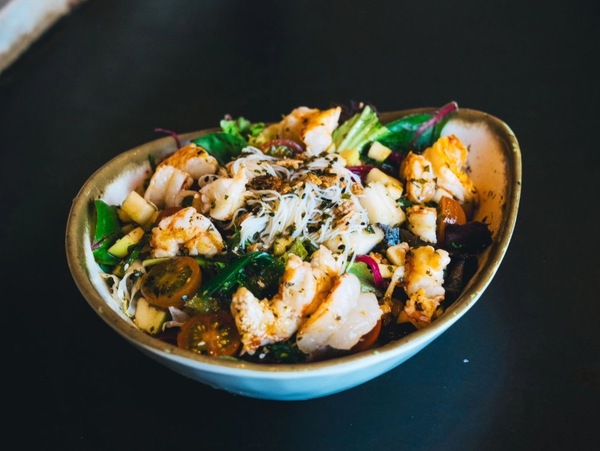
x,y
449,212
172,282
368,339
212,333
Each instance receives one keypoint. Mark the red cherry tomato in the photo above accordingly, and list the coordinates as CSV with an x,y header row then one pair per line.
x,y
449,212
213,333
172,282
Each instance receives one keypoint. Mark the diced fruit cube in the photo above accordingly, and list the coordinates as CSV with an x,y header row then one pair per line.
x,y
149,318
379,152
138,208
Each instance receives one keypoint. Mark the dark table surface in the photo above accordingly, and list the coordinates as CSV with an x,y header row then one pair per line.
x,y
520,371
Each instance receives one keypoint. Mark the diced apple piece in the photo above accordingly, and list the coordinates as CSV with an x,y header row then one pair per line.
x,y
138,208
379,152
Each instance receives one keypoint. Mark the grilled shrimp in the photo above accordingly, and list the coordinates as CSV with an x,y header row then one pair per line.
x,y
342,319
185,231
222,197
262,322
192,159
424,279
254,320
448,157
420,309
422,221
166,184
310,126
425,269
326,268
177,172
417,171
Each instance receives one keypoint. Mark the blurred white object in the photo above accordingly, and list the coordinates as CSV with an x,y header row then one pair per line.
x,y
23,21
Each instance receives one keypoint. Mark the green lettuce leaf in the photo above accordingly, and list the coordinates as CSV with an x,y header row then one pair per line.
x,y
360,130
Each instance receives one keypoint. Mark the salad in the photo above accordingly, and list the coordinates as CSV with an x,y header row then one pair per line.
x,y
321,235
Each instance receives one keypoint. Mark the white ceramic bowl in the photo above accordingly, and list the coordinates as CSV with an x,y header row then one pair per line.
x,y
495,164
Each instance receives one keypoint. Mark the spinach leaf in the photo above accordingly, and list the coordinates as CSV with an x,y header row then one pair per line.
x,y
105,233
417,131
223,146
283,352
230,278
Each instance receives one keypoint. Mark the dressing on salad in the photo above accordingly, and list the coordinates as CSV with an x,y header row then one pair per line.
x,y
324,234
